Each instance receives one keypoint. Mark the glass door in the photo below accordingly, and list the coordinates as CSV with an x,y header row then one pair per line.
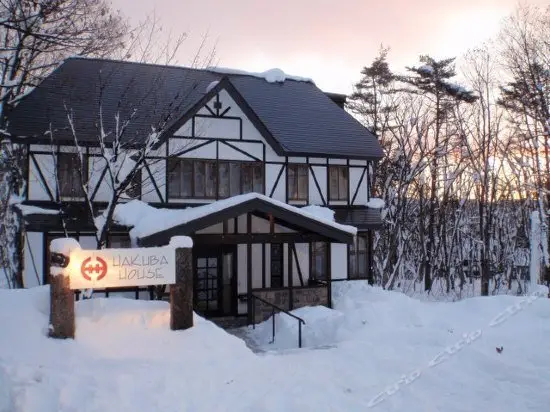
x,y
215,281
207,284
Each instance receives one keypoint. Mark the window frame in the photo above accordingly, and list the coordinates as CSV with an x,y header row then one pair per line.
x,y
133,189
341,180
314,252
296,168
355,254
279,278
176,165
78,179
126,240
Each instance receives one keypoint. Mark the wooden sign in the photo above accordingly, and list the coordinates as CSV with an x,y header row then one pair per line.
x,y
107,268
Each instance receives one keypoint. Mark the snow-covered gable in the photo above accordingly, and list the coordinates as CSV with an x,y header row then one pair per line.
x,y
146,220
270,76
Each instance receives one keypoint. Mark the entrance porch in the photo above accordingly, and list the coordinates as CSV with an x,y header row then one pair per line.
x,y
253,254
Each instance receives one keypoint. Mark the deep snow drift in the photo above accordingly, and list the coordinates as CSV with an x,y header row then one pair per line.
x,y
125,358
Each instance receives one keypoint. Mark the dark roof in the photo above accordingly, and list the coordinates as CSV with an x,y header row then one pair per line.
x,y
362,218
301,118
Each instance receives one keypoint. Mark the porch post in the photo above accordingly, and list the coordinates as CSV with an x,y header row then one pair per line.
x,y
181,293
249,269
329,274
370,274
290,291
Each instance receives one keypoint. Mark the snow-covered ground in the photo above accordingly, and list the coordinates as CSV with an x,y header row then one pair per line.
x,y
126,359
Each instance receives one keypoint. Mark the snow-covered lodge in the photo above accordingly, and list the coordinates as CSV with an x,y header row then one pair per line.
x,y
247,165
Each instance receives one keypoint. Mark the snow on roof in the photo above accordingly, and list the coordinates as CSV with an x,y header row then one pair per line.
x,y
34,210
211,85
146,220
375,203
270,76
181,242
319,211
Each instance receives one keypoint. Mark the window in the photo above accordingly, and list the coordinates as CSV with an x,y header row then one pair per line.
x,y
319,260
338,182
119,241
210,179
276,265
133,190
192,178
358,258
297,184
71,174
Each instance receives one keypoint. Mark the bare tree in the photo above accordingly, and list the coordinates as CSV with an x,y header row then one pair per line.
x,y
35,36
525,41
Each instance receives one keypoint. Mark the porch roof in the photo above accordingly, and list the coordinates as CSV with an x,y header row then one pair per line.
x,y
152,226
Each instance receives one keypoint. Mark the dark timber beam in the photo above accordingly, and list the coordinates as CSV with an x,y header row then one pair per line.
x,y
243,238
295,253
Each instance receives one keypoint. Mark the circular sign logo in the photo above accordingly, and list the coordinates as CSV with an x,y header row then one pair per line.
x,y
89,268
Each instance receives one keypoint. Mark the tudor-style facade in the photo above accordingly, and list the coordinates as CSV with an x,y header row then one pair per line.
x,y
219,146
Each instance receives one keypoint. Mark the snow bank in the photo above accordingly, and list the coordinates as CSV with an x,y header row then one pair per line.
x,y
124,357
146,220
270,76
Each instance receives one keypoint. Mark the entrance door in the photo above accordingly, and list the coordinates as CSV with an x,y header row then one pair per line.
x,y
214,282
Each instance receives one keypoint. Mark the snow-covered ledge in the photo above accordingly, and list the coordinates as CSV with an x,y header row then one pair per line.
x,y
181,242
62,246
376,203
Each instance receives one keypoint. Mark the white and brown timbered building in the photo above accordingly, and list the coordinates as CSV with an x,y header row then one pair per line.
x,y
224,134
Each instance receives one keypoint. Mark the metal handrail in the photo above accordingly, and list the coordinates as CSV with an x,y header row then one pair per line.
x,y
273,308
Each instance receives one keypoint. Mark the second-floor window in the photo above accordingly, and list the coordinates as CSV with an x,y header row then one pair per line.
x,y
338,182
297,184
71,173
190,178
133,190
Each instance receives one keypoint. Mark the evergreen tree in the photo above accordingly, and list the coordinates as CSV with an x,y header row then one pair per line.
x,y
367,99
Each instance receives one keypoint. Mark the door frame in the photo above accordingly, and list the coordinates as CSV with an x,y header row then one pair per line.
x,y
212,251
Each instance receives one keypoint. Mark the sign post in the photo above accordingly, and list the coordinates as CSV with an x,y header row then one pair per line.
x,y
62,318
75,268
181,293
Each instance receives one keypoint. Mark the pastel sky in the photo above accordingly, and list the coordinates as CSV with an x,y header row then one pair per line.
x,y
326,40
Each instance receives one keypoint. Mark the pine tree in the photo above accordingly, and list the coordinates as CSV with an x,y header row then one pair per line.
x,y
367,99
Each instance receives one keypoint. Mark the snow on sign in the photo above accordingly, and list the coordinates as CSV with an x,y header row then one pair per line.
x,y
97,269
